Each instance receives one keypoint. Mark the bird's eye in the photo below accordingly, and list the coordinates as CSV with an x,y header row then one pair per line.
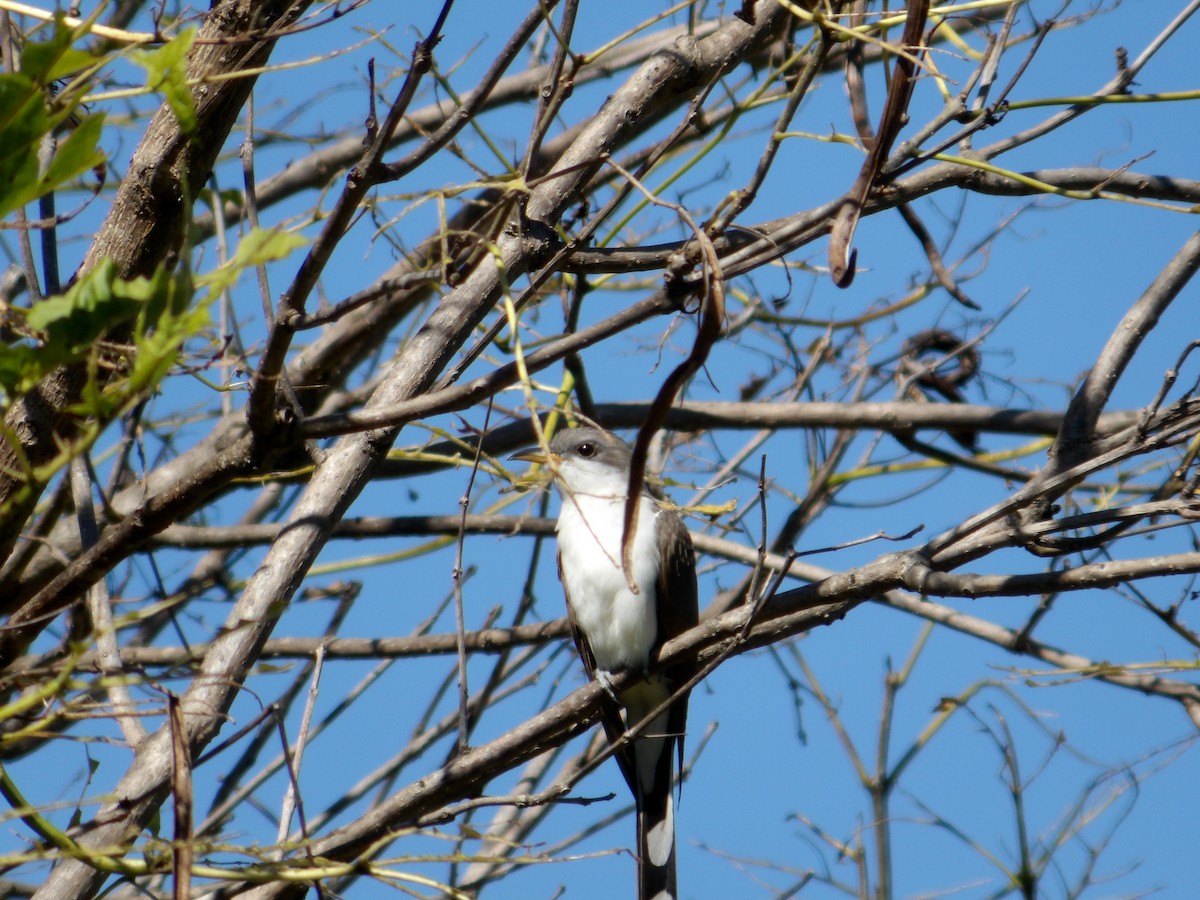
x,y
587,450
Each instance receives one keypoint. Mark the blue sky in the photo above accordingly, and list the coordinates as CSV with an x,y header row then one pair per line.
x,y
771,766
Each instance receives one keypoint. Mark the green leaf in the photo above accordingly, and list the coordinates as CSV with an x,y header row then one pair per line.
x,y
163,293
23,122
49,60
158,350
21,366
69,62
75,320
255,249
72,323
166,71
27,116
76,155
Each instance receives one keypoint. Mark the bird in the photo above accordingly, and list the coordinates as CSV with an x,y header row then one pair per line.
x,y
619,631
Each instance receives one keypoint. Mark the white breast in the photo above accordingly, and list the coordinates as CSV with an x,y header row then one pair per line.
x,y
619,625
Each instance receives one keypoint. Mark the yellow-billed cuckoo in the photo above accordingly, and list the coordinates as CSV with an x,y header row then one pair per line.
x,y
617,630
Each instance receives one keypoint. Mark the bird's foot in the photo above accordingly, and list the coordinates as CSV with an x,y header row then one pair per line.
x,y
605,681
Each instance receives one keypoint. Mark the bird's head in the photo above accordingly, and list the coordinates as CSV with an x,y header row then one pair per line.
x,y
584,459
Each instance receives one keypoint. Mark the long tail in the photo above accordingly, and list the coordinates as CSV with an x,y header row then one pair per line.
x,y
650,765
656,834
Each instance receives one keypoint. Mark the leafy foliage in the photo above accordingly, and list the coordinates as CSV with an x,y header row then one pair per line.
x,y
31,112
166,72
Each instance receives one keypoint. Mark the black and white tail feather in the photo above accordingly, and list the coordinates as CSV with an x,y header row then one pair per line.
x,y
648,763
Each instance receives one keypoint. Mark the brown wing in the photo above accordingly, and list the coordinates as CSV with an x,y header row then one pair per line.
x,y
678,609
